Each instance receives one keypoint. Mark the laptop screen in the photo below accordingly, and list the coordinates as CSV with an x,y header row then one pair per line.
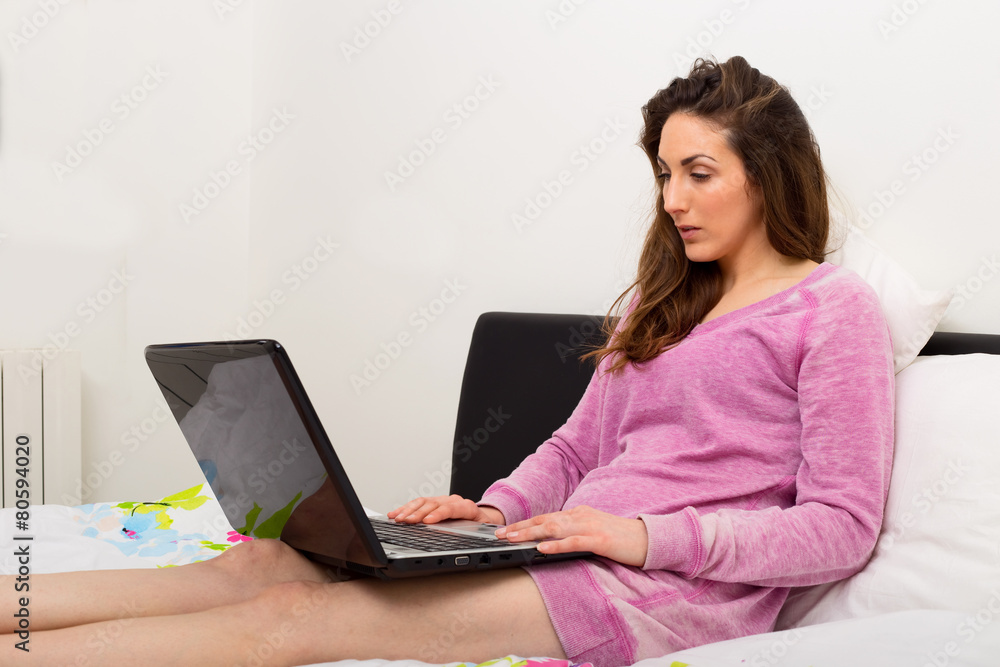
x,y
259,443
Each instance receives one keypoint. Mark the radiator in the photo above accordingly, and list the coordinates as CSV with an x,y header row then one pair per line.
x,y
40,423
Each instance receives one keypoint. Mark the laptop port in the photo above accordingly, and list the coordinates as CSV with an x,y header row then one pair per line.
x,y
484,560
505,556
461,560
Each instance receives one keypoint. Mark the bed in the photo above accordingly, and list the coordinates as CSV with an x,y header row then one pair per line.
x,y
930,594
190,526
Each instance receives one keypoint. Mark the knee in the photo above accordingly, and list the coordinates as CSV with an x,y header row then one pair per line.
x,y
278,621
284,620
255,560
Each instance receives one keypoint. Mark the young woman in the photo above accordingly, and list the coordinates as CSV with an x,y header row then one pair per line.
x,y
735,441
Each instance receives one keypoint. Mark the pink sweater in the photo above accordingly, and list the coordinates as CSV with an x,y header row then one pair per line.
x,y
757,452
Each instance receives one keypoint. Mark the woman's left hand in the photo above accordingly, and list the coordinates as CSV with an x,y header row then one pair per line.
x,y
584,529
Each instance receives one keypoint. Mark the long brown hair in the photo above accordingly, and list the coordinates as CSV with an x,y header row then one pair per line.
x,y
768,131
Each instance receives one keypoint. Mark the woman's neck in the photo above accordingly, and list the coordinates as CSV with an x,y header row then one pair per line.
x,y
754,272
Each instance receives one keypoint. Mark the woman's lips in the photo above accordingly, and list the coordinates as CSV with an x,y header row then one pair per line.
x,y
687,232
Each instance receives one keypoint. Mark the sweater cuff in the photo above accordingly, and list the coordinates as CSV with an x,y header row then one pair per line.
x,y
510,504
675,542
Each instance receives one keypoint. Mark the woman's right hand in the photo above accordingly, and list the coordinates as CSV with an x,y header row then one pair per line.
x,y
439,508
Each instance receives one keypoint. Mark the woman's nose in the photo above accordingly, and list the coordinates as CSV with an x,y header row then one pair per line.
x,y
674,199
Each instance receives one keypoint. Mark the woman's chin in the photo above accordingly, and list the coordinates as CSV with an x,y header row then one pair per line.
x,y
698,254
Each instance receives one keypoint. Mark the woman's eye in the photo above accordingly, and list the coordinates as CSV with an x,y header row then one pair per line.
x,y
663,177
700,177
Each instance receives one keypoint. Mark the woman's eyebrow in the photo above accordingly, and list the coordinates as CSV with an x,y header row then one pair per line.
x,y
686,161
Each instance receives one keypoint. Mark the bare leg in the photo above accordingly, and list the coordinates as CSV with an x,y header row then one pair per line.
x,y
474,616
75,598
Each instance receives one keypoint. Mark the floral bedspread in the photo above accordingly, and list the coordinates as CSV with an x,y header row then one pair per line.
x,y
165,532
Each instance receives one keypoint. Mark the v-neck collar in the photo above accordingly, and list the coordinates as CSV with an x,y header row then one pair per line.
x,y
739,313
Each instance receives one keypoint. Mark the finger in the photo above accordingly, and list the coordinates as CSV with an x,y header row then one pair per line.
x,y
513,530
441,511
541,527
518,526
414,510
565,545
404,509
432,510
453,507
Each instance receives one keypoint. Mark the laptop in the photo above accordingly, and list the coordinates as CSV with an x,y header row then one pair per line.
x,y
262,448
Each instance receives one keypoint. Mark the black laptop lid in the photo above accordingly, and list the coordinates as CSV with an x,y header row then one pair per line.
x,y
262,448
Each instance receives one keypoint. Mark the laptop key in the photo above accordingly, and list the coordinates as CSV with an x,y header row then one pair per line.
x,y
423,538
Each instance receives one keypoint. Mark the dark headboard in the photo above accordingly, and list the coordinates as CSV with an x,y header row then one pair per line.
x,y
950,342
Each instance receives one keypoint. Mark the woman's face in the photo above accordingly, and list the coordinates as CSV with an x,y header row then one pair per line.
x,y
705,192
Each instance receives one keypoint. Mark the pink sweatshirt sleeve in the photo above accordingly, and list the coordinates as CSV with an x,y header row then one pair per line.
x,y
846,407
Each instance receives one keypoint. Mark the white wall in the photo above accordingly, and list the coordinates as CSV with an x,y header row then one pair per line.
x,y
551,77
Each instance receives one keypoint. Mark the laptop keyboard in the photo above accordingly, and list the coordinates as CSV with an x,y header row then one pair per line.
x,y
422,538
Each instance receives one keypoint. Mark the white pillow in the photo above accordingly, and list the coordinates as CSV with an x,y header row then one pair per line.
x,y
940,541
912,313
